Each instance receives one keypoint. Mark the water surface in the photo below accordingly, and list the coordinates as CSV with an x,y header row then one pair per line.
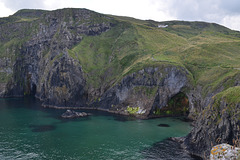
x,y
28,131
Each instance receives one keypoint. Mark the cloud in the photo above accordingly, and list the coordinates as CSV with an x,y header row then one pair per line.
x,y
218,11
4,11
23,4
230,6
232,22
193,9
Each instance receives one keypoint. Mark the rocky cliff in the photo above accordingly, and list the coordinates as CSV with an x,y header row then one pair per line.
x,y
42,65
218,123
146,90
73,58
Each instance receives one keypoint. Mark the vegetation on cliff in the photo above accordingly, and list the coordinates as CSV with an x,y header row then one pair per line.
x,y
109,48
231,95
218,123
209,52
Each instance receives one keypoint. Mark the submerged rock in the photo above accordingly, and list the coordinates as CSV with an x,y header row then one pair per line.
x,y
163,125
225,152
73,114
42,128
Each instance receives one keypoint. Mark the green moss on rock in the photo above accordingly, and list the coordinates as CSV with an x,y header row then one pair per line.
x,y
4,77
145,90
132,110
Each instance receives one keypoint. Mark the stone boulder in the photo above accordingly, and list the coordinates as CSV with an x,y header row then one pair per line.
x,y
73,114
225,152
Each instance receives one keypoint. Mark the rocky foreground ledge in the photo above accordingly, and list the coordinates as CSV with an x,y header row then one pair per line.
x,y
225,152
73,114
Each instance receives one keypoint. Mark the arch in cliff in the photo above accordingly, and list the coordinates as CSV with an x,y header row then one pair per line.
x,y
177,104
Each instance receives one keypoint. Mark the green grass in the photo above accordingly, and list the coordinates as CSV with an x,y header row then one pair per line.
x,y
225,102
26,19
231,95
211,53
104,57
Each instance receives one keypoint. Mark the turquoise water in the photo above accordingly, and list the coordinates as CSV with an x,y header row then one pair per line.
x,y
28,131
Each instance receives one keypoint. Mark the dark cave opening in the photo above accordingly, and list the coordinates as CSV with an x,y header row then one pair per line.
x,y
33,89
178,105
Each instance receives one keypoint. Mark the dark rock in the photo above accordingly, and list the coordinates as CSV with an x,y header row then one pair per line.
x,y
215,125
185,119
177,139
73,114
169,150
163,82
42,128
163,125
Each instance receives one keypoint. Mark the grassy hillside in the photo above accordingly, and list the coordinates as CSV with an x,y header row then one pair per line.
x,y
210,52
231,95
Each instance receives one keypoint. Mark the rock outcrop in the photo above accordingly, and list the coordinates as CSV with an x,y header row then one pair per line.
x,y
43,67
74,114
225,152
218,123
149,88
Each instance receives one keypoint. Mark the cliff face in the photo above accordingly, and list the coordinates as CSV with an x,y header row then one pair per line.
x,y
146,90
79,58
218,123
42,65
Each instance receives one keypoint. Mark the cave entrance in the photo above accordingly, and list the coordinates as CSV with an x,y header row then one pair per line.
x,y
178,105
33,89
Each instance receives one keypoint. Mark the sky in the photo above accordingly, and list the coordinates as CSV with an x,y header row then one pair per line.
x,y
224,12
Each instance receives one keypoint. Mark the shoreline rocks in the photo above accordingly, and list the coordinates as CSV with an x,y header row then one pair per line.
x,y
74,114
224,152
218,123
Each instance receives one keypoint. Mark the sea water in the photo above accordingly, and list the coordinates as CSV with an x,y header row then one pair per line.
x,y
29,131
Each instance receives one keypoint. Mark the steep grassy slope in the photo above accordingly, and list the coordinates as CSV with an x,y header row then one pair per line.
x,y
209,51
